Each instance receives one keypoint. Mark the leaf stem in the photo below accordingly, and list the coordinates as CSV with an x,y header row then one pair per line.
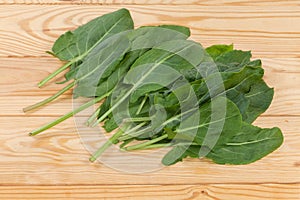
x,y
131,133
56,72
137,119
125,143
142,105
66,116
162,145
106,145
152,146
144,144
48,100
94,116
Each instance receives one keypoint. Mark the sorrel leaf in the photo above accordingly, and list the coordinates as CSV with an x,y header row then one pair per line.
x,y
250,144
81,41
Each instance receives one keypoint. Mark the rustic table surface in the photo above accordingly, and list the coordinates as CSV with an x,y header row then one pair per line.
x,y
55,164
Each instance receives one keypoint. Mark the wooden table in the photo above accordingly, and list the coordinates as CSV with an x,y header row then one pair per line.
x,y
55,164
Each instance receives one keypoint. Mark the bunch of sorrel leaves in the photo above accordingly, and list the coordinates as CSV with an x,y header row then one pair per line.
x,y
160,89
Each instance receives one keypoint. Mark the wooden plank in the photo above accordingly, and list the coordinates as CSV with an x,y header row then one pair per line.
x,y
269,31
18,86
155,2
203,192
58,156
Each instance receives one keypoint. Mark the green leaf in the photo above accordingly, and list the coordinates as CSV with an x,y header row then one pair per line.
x,y
218,119
216,50
142,40
252,96
101,62
169,99
249,145
81,41
105,105
179,152
233,59
182,29
162,66
107,84
217,83
175,155
147,37
110,125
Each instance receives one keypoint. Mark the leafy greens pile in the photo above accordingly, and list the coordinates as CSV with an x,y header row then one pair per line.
x,y
162,90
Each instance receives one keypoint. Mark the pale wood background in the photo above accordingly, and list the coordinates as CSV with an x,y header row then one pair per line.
x,y
55,164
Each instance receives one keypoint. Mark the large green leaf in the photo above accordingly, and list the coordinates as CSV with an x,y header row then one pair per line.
x,y
78,43
218,120
142,39
101,61
250,144
149,69
107,84
243,85
162,66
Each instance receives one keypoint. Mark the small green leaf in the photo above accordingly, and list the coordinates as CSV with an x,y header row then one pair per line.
x,y
216,50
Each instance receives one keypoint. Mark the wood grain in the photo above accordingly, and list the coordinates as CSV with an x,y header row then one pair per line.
x,y
18,86
145,192
269,31
156,2
58,157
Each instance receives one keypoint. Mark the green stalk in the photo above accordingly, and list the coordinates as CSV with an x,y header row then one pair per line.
x,y
152,146
94,116
125,143
113,140
106,145
142,105
156,146
66,116
131,133
56,72
145,144
137,119
177,116
52,98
